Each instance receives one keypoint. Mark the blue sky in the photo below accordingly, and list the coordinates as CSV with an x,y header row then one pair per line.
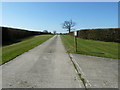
x,y
50,15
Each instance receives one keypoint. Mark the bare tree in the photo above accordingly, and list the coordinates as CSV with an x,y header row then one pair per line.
x,y
68,25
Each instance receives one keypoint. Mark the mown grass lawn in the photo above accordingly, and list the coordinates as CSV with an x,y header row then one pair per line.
x,y
91,47
11,51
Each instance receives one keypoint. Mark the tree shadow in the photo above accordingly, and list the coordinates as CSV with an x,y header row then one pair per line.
x,y
10,42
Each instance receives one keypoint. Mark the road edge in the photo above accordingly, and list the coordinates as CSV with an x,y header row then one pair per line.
x,y
82,76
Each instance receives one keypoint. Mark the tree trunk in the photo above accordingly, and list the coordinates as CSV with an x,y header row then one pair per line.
x,y
69,30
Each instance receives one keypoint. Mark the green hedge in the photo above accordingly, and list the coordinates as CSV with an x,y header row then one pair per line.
x,y
109,35
11,35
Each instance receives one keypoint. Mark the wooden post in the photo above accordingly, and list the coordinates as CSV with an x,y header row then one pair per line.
x,y
75,40
75,43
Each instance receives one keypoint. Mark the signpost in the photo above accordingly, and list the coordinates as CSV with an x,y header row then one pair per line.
x,y
75,40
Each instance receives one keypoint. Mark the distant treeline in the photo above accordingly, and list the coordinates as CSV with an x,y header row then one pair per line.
x,y
108,35
14,35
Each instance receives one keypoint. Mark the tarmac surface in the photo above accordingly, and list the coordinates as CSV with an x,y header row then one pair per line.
x,y
45,66
98,72
49,66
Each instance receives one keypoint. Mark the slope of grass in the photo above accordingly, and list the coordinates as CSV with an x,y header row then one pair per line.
x,y
11,51
91,47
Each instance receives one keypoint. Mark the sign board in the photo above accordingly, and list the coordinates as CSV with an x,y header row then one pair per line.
x,y
75,33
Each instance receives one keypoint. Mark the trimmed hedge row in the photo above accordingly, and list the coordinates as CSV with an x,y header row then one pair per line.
x,y
13,35
108,35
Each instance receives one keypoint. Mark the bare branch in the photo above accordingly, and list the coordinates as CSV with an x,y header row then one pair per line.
x,y
68,25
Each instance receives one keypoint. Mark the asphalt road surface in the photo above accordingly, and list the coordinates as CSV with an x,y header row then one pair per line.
x,y
49,66
46,66
98,72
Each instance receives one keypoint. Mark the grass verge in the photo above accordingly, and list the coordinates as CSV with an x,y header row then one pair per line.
x,y
11,51
91,47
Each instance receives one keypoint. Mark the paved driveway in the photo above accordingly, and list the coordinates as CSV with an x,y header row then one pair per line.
x,y
98,72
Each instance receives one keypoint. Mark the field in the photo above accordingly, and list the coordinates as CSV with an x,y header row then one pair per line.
x,y
11,51
91,47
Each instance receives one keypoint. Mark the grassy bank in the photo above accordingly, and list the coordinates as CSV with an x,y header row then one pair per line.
x,y
11,51
91,47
